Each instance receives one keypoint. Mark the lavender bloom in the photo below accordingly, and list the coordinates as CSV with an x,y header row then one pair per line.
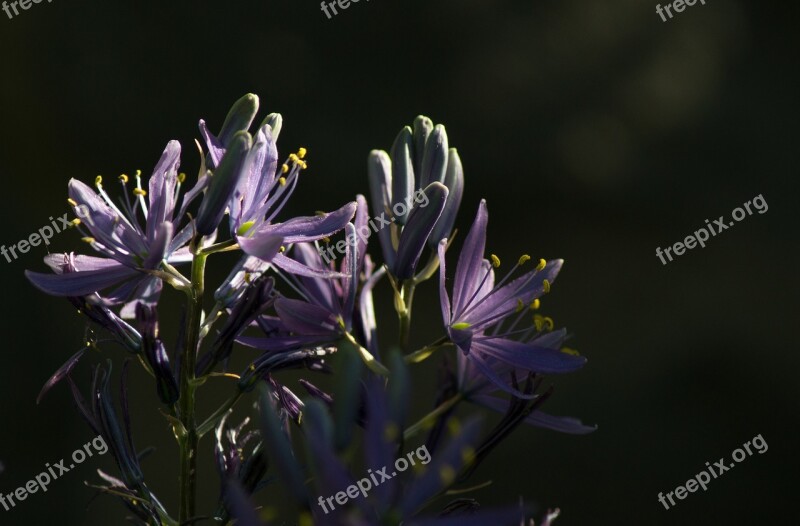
x,y
131,251
156,354
261,192
474,321
240,459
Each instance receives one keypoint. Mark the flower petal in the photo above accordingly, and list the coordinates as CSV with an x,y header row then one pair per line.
x,y
79,283
312,228
421,221
526,356
468,272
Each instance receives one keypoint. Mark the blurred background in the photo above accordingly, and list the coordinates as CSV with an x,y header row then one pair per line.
x,y
595,131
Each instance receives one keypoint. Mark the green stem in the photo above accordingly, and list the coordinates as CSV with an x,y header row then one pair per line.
x,y
188,441
428,420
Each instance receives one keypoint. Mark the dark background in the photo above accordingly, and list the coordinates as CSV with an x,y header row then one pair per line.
x,y
595,131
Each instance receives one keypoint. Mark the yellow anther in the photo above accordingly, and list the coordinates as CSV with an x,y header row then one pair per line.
x,y
139,191
549,322
567,350
282,181
541,265
76,222
293,157
447,474
391,432
302,153
535,304
285,168
467,454
538,322
72,202
460,326
282,249
88,239
523,259
181,177
520,305
546,286
123,178
301,164
98,181
495,261
138,173
247,277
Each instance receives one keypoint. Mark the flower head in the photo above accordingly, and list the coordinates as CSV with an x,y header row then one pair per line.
x,y
476,319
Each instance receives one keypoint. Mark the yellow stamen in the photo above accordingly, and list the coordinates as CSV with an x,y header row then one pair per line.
x,y
285,168
76,222
535,304
72,202
326,239
461,325
293,157
301,153
520,305
98,181
542,264
139,191
247,277
88,239
546,285
567,350
495,261
523,259
123,178
282,249
538,322
549,322
282,181
181,177
242,230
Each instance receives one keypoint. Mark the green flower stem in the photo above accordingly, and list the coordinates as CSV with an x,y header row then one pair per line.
x,y
224,246
188,440
428,420
374,365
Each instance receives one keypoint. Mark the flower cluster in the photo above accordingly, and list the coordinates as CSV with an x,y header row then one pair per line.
x,y
299,310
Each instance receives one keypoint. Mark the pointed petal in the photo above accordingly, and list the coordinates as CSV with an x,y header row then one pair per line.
x,y
294,267
61,373
313,228
562,424
162,188
239,118
304,318
444,300
79,283
216,150
526,356
468,272
420,224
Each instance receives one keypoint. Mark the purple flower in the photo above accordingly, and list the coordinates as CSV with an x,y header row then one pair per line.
x,y
131,252
263,189
475,321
